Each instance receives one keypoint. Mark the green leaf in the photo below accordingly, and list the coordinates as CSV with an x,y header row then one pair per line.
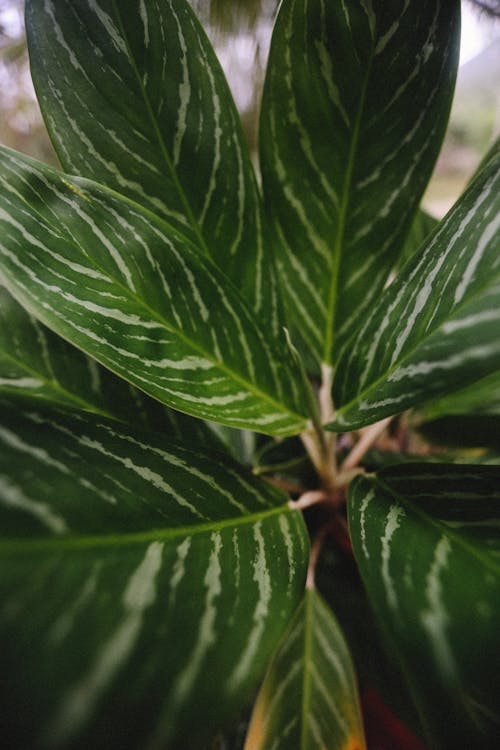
x,y
422,225
427,545
142,585
309,696
339,582
123,286
482,397
36,363
133,97
493,151
465,430
240,444
287,458
356,101
435,328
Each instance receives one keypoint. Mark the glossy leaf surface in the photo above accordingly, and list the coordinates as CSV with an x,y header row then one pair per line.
x,y
427,544
134,98
435,329
138,580
308,700
355,105
36,363
124,287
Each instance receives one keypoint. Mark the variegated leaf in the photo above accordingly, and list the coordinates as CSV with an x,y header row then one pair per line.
x,y
435,328
308,700
133,97
122,285
36,363
427,544
422,225
381,684
356,101
483,396
138,579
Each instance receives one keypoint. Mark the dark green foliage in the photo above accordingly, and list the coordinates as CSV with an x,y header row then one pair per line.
x,y
149,581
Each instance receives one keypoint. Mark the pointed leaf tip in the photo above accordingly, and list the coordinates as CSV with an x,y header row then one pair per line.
x,y
309,696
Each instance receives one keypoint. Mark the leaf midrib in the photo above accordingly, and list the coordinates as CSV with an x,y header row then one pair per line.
x,y
161,142
157,316
342,216
208,355
384,377
23,545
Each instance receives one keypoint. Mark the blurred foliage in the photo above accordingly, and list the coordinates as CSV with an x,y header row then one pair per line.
x,y
232,16
474,123
478,93
21,125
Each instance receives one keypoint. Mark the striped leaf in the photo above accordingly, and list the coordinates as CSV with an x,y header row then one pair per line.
x,y
123,286
134,98
435,329
427,544
308,700
36,363
141,585
339,582
356,100
422,225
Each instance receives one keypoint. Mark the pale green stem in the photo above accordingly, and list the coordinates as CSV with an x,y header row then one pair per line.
x,y
368,437
312,497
